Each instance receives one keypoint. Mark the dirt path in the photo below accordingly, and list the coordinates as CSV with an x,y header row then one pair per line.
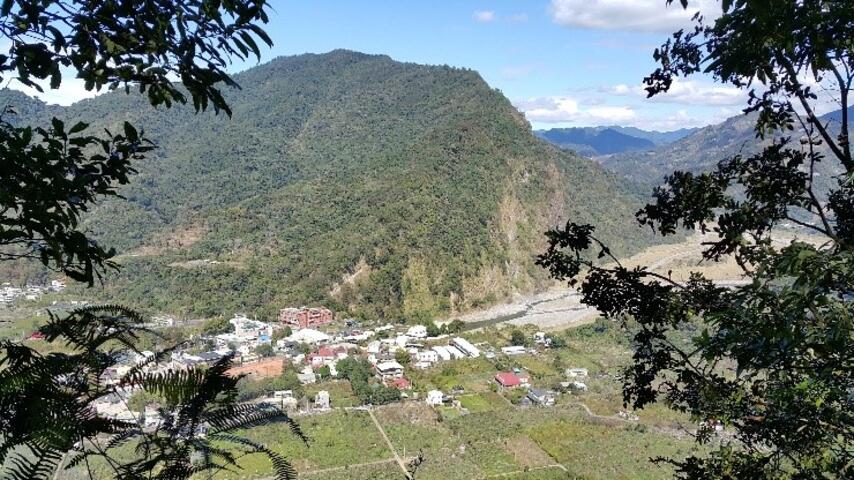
x,y
390,446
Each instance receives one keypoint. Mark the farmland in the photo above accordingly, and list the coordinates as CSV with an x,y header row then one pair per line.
x,y
485,434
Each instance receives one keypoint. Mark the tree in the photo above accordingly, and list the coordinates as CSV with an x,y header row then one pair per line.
x,y
455,326
772,360
53,174
433,330
264,350
324,372
281,333
556,341
403,357
517,337
217,325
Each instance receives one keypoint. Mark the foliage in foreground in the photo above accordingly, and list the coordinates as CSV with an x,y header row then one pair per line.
x,y
49,420
774,360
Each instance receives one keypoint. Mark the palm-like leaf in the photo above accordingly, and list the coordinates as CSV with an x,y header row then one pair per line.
x,y
48,414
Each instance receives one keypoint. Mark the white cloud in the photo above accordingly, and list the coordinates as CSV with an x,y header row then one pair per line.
x,y
585,111
70,91
563,109
483,16
633,15
687,92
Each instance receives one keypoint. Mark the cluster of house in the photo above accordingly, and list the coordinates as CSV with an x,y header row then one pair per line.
x,y
328,349
517,379
314,352
9,293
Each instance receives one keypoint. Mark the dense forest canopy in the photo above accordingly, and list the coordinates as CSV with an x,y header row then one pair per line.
x,y
390,189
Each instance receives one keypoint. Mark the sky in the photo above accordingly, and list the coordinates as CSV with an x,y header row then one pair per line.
x,y
562,62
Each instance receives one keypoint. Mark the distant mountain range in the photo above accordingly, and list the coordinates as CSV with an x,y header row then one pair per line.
x,y
704,148
384,189
597,141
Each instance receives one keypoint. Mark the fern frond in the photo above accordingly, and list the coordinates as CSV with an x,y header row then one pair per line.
x,y
282,468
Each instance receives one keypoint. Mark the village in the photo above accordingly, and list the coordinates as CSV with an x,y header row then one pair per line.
x,y
317,350
483,399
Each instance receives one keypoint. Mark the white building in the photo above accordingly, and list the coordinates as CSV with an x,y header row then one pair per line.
x,y
466,347
513,350
434,397
321,400
417,331
429,356
389,370
309,335
576,372
442,352
455,352
306,376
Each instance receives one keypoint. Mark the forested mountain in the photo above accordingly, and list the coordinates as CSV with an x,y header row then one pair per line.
x,y
654,136
594,141
703,149
392,190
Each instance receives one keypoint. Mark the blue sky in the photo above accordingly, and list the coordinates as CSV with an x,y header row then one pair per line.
x,y
562,62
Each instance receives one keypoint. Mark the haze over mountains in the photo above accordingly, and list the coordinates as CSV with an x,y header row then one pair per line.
x,y
704,148
387,189
597,141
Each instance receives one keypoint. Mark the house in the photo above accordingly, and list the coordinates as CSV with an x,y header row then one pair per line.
x,y
540,396
466,347
209,358
442,352
309,336
435,398
321,400
513,350
455,352
306,376
417,331
512,380
305,317
374,347
401,383
389,370
540,338
576,372
327,355
247,329
427,356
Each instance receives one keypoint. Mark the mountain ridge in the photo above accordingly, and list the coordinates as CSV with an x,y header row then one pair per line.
x,y
385,189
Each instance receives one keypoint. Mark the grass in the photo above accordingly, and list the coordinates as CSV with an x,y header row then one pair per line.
x,y
601,452
475,403
340,392
337,439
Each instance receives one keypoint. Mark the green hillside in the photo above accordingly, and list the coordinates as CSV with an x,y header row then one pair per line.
x,y
390,189
704,148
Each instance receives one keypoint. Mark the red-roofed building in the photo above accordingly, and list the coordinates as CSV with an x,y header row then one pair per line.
x,y
512,380
326,355
401,383
305,317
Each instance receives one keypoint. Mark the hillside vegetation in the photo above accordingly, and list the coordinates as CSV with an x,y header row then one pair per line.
x,y
704,148
388,189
